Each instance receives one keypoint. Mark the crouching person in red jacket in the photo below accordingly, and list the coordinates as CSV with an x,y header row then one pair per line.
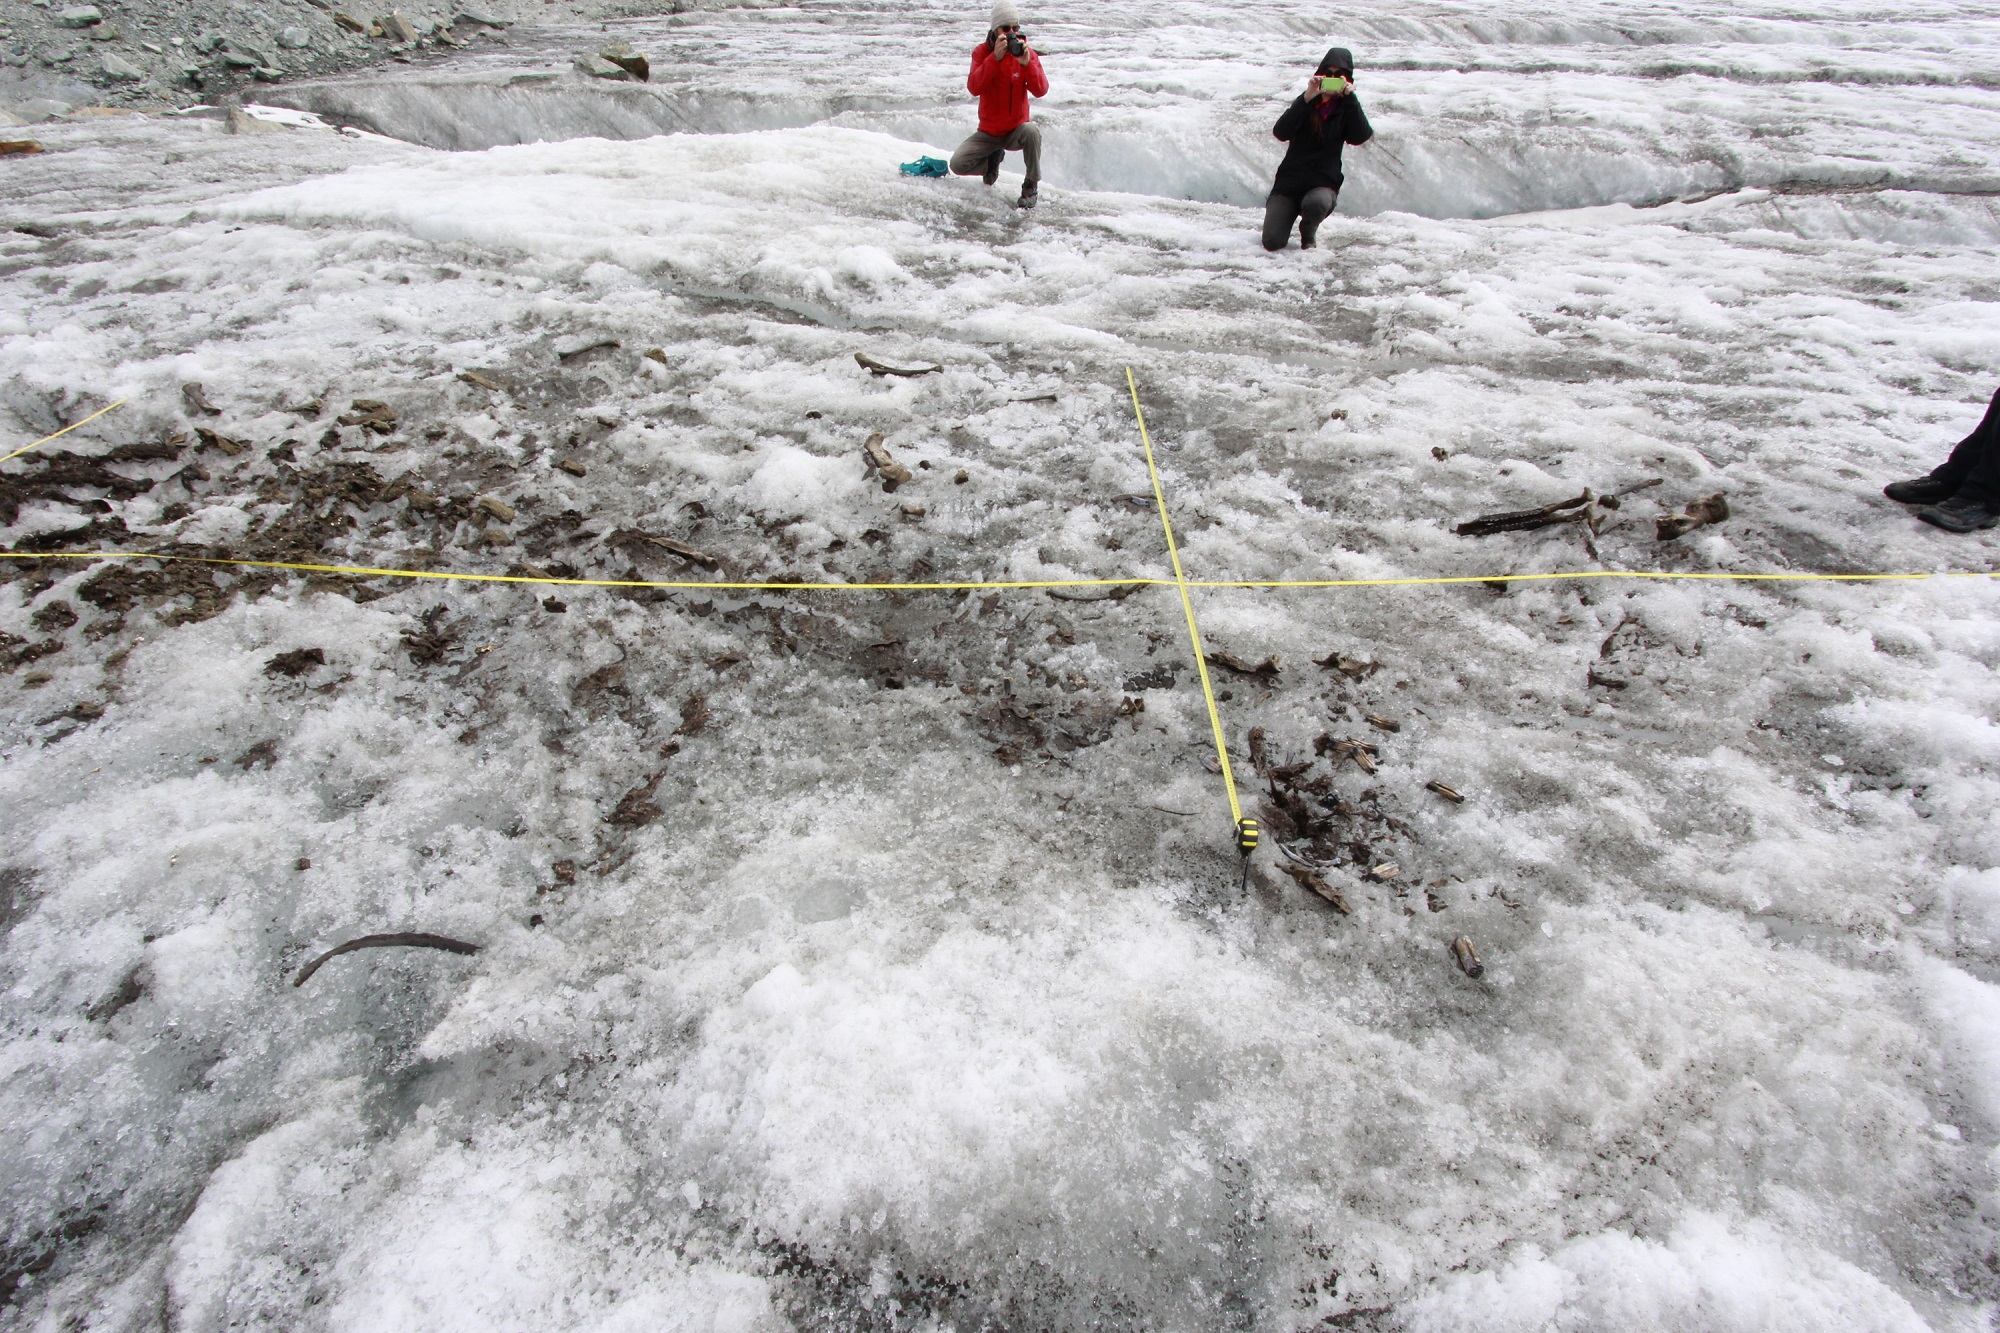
x,y
1005,73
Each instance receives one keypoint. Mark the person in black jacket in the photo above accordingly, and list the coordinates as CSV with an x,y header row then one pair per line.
x,y
1962,494
1316,125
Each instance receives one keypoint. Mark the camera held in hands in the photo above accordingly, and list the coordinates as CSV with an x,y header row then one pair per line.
x,y
1017,45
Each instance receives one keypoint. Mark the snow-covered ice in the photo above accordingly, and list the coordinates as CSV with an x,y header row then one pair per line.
x,y
868,960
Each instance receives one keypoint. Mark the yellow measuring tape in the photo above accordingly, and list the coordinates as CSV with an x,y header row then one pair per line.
x,y
1135,581
64,431
1187,606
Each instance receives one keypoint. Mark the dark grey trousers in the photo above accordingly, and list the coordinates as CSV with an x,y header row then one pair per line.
x,y
1025,139
1974,466
1281,210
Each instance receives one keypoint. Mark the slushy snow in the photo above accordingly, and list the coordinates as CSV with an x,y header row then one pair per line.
x,y
927,998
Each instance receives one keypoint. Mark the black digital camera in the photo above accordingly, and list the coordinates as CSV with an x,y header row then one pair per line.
x,y
1016,44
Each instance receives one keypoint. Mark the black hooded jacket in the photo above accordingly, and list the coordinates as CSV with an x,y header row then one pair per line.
x,y
1312,157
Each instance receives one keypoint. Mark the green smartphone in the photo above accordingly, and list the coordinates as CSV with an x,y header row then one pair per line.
x,y
1333,84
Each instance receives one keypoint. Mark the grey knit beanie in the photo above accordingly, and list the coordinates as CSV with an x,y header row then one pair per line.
x,y
1005,14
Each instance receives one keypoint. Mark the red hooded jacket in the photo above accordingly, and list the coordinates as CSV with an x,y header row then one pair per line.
x,y
1003,87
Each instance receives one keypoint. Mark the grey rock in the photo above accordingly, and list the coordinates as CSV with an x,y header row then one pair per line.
x,y
479,16
80,16
397,28
41,108
207,42
121,69
156,50
240,59
622,55
236,121
104,32
597,67
294,38
266,74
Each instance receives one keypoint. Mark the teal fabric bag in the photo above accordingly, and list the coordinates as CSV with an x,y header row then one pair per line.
x,y
926,166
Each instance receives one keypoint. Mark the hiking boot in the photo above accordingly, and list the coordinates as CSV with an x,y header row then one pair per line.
x,y
1308,238
1031,194
1960,514
1922,491
993,168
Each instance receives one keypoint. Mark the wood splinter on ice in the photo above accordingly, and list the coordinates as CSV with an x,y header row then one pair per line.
x,y
1467,958
880,368
1312,879
1446,790
403,939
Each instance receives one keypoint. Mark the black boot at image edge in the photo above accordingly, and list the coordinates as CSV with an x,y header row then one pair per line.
x,y
1920,491
1959,514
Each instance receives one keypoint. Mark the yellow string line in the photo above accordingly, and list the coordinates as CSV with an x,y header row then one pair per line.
x,y
1593,574
1187,605
1138,581
65,430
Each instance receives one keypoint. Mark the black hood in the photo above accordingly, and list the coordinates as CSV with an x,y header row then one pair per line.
x,y
1339,58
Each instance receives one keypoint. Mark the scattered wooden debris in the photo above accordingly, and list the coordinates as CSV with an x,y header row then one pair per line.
x,y
1446,790
193,395
658,354
636,808
1697,514
261,755
483,381
19,147
1311,878
571,466
309,409
1384,872
1117,593
1363,753
880,368
370,414
912,510
429,645
1589,509
1524,520
295,663
1352,667
1381,723
1467,958
571,348
405,939
694,715
217,440
631,536
883,464
1266,670
1259,760
499,509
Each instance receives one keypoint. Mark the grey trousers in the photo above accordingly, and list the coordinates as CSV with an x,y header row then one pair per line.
x,y
1025,139
1281,210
